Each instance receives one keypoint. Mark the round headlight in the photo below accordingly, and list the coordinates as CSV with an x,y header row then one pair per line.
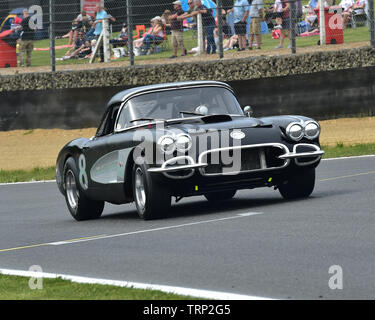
x,y
183,143
167,144
312,130
295,131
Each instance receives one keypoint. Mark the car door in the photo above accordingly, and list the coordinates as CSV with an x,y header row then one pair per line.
x,y
99,162
120,145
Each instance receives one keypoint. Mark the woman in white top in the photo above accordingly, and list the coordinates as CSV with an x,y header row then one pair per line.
x,y
156,29
156,34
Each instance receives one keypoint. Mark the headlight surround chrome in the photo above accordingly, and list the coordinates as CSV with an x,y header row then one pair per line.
x,y
295,131
183,142
312,130
167,144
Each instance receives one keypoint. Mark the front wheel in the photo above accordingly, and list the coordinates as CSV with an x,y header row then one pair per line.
x,y
80,207
151,199
220,195
298,186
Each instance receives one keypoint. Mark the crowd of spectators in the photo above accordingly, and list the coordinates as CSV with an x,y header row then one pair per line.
x,y
86,29
85,32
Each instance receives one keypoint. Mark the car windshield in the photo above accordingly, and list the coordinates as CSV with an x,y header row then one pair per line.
x,y
177,103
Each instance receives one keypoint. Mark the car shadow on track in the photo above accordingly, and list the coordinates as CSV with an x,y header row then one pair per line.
x,y
202,207
199,206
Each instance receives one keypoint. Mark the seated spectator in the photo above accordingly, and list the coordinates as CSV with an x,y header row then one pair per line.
x,y
85,51
155,36
231,44
139,42
308,23
79,43
312,32
122,39
346,6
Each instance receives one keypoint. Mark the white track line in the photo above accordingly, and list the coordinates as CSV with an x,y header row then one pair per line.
x,y
196,293
101,237
347,158
49,181
27,182
248,214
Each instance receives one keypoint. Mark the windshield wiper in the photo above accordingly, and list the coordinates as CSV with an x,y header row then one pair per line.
x,y
193,113
142,119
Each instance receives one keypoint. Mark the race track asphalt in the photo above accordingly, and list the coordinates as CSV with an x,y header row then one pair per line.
x,y
283,252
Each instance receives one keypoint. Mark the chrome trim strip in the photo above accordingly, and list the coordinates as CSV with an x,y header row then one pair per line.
x,y
287,157
301,155
251,146
163,169
318,153
174,169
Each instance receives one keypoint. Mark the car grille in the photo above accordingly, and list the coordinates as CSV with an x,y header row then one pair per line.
x,y
250,159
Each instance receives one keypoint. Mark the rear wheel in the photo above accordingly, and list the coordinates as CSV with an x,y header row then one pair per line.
x,y
80,207
298,186
151,199
220,196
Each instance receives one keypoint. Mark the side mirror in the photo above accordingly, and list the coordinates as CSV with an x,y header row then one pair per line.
x,y
248,111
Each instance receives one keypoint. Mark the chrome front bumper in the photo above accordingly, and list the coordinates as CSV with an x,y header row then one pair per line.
x,y
288,156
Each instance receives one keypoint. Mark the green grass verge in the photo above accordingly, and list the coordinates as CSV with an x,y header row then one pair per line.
x,y
341,150
17,288
42,58
40,174
37,174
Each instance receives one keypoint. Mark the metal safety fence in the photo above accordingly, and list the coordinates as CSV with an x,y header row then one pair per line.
x,y
59,32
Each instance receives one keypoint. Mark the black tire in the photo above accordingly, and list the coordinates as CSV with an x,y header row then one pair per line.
x,y
155,201
299,186
80,207
220,196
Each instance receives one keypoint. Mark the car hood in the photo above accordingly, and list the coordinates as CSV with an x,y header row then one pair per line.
x,y
255,131
216,122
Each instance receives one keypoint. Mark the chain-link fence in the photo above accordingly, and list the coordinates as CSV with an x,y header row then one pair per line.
x,y
51,32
